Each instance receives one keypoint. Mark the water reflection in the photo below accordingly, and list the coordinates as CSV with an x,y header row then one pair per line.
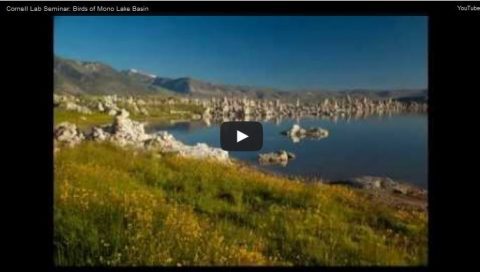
x,y
381,145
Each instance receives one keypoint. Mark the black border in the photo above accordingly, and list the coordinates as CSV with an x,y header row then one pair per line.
x,y
29,54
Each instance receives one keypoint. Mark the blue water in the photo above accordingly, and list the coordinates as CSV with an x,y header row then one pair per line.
x,y
393,146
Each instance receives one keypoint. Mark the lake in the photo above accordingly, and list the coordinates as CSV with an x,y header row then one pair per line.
x,y
395,146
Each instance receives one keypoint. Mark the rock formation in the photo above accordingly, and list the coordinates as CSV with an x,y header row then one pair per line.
x,y
280,157
382,184
126,132
296,133
244,109
68,134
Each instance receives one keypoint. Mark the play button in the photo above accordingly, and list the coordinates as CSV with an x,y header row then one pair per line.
x,y
241,136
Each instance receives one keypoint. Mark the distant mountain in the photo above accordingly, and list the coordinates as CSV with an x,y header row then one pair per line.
x,y
85,77
195,87
81,77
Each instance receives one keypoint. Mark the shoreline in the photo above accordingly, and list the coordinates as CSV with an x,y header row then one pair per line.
x,y
125,131
417,197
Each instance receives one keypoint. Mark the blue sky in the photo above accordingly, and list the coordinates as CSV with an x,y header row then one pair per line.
x,y
316,52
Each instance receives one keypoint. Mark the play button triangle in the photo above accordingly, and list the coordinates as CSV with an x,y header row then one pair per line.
x,y
241,136
233,135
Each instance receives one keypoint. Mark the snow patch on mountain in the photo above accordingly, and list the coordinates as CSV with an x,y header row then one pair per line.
x,y
135,71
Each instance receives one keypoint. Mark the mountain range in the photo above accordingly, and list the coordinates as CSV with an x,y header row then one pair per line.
x,y
92,77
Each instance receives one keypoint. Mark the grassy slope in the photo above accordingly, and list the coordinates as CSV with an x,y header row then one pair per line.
x,y
120,207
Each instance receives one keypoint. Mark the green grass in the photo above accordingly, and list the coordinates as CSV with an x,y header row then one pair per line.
x,y
125,207
157,114
80,119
